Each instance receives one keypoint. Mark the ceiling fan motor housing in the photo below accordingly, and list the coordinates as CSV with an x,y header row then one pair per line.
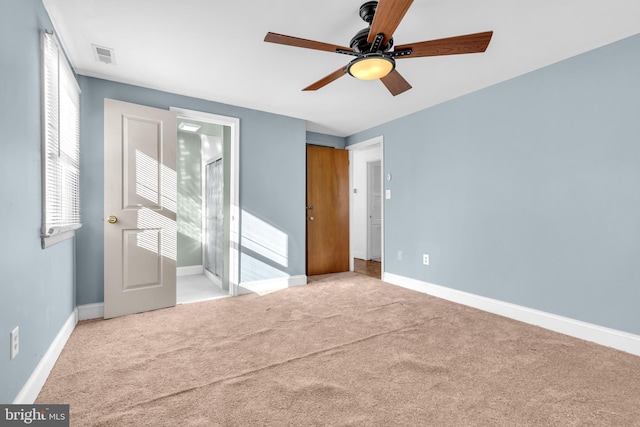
x,y
360,44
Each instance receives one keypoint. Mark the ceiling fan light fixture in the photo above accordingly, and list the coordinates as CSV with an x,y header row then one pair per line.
x,y
372,66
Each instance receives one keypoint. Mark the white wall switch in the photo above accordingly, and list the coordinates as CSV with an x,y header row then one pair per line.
x,y
387,194
399,255
425,259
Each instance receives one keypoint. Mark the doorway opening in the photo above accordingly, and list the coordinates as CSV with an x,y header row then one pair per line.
x,y
366,211
207,175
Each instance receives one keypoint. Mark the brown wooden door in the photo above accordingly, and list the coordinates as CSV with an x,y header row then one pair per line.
x,y
327,210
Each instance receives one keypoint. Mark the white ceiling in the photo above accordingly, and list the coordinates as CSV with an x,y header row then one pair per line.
x,y
214,49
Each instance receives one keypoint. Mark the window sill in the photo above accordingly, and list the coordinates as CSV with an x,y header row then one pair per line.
x,y
58,235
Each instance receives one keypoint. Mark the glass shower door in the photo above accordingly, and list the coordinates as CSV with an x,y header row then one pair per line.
x,y
214,181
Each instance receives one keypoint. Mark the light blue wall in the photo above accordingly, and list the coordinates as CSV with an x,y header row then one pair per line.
x,y
36,285
316,138
527,191
272,180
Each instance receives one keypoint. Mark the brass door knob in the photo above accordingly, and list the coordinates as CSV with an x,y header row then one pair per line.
x,y
112,219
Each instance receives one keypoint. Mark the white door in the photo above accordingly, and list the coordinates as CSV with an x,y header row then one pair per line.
x,y
374,210
140,204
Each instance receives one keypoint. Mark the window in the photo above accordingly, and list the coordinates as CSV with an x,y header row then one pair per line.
x,y
60,145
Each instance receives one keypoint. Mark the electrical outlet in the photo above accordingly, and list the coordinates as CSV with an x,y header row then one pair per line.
x,y
15,342
425,259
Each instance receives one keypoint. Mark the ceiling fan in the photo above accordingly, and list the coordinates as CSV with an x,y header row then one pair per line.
x,y
372,46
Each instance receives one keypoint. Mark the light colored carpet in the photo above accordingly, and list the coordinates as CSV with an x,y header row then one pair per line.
x,y
346,350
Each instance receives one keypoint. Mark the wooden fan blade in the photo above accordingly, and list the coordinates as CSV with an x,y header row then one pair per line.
x,y
326,80
395,83
298,42
388,15
470,43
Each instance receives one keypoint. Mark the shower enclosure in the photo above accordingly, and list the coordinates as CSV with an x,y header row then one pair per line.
x,y
214,217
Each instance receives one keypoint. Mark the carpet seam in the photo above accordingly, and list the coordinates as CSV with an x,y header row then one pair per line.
x,y
274,365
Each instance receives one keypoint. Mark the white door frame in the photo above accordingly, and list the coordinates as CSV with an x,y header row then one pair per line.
x,y
234,185
378,140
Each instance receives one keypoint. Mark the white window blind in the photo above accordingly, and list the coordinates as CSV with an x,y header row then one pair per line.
x,y
60,145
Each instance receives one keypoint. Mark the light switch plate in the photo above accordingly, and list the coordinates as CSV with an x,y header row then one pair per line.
x,y
15,342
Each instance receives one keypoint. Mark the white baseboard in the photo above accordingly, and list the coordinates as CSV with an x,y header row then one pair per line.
x,y
32,387
271,285
619,340
188,271
91,311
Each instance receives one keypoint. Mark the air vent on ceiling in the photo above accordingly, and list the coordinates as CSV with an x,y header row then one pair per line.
x,y
104,54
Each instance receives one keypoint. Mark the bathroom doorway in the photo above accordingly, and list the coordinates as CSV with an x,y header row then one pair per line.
x,y
207,173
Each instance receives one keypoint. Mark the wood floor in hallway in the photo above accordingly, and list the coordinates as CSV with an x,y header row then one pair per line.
x,y
368,268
